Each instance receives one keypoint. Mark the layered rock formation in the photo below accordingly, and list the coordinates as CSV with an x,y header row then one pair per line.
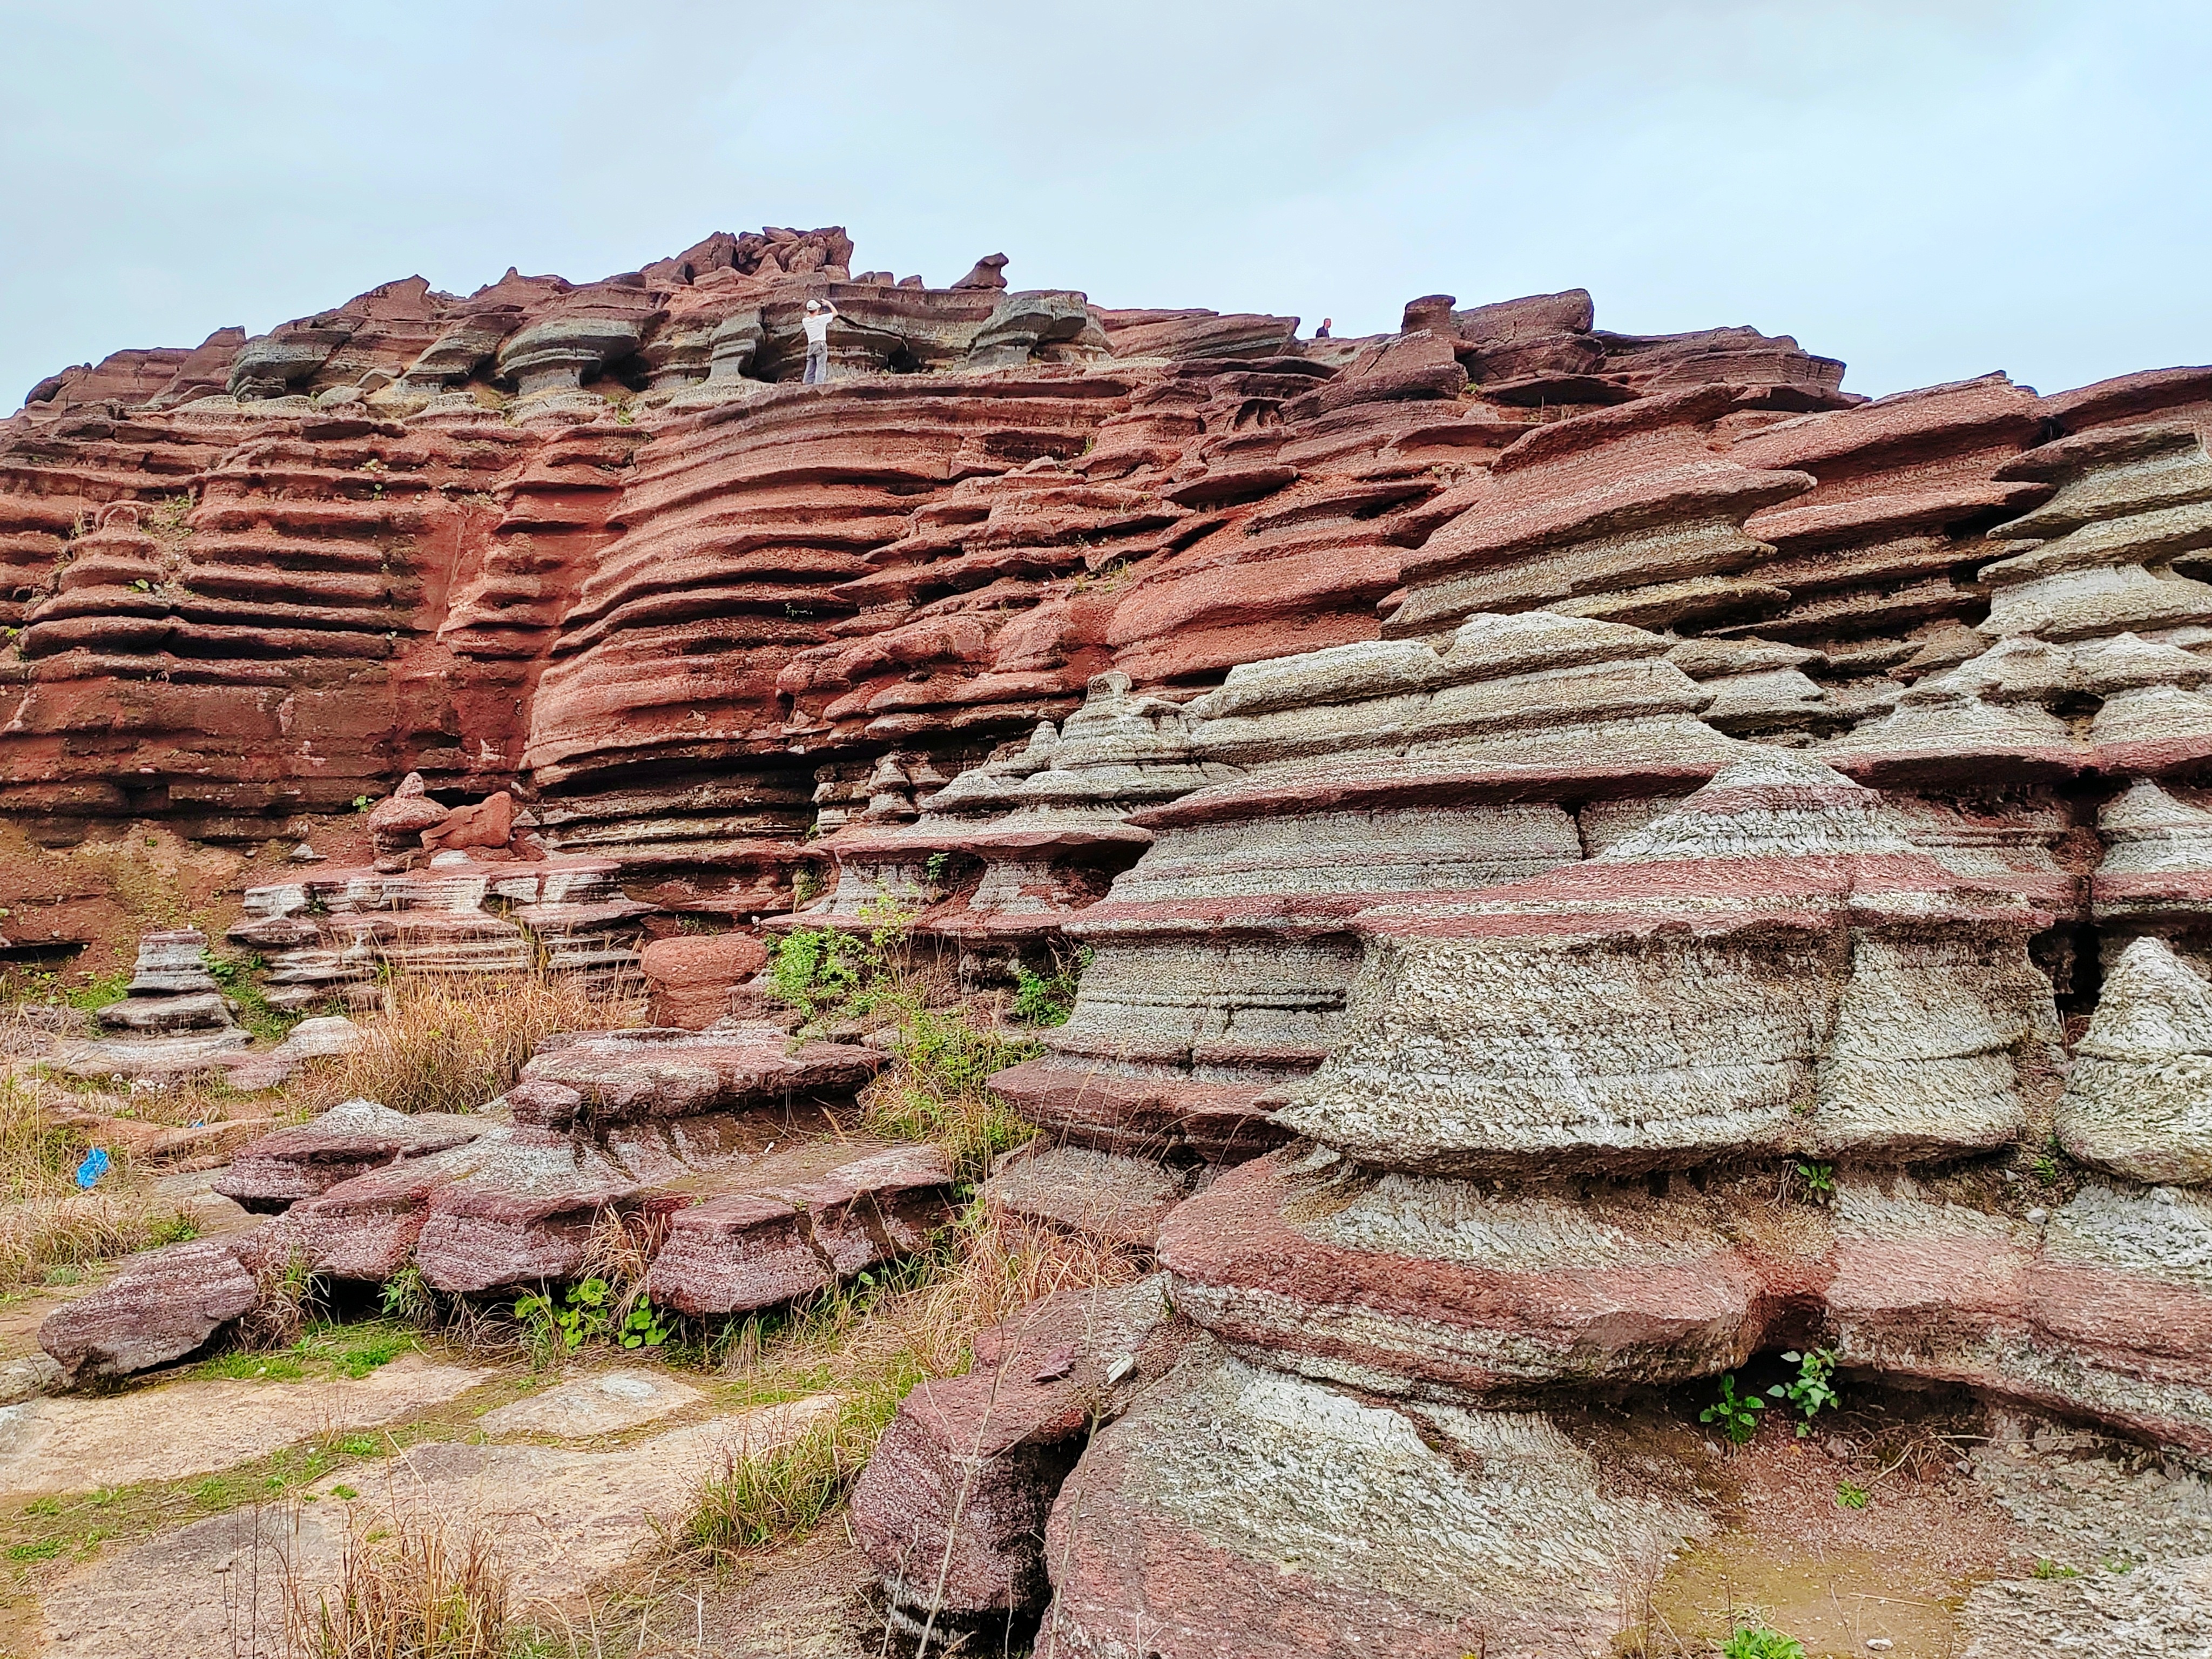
x,y
1594,859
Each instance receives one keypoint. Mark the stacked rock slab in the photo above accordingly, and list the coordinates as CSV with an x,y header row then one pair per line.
x,y
721,1153
173,1016
328,935
1770,969
1223,959
1000,857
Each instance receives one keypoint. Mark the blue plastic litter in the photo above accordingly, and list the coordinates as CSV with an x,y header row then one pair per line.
x,y
94,1167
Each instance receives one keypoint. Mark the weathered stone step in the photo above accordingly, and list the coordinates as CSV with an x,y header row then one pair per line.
x,y
797,1222
351,1138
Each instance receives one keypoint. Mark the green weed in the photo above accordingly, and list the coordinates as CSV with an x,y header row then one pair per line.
x,y
1737,1414
1813,1390
236,976
1850,1495
1758,1642
1049,999
815,969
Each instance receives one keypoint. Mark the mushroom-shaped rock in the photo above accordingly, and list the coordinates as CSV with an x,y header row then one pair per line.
x,y
2139,1100
396,823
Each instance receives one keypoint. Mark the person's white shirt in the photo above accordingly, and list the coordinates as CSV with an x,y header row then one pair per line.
x,y
817,325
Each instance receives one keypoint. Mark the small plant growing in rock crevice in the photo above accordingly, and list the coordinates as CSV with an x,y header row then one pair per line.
x,y
1737,1414
288,1295
1819,1181
1813,1390
1049,999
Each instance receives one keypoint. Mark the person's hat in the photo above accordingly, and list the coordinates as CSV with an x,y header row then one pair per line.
x,y
814,305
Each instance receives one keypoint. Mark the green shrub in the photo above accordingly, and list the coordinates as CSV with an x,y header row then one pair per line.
x,y
816,969
1049,999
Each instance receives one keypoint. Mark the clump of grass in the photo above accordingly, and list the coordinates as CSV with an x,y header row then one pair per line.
x,y
50,1228
763,1498
450,1044
817,968
283,1306
236,975
935,1090
56,1238
410,1588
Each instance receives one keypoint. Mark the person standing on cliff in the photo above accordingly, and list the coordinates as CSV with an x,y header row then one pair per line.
x,y
816,322
1326,324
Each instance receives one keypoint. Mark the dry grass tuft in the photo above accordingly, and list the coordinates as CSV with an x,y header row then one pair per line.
x,y
284,1299
869,1345
48,1228
45,1240
412,1587
449,1045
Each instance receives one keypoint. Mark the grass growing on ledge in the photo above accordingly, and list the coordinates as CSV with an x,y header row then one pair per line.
x,y
449,1045
934,1090
785,1492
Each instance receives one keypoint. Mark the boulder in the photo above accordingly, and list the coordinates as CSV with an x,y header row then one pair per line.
x,y
159,1307
952,1507
1104,1195
693,975
520,1213
2138,1102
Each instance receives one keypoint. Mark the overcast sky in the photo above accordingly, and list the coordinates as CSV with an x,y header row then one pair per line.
x,y
1929,189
